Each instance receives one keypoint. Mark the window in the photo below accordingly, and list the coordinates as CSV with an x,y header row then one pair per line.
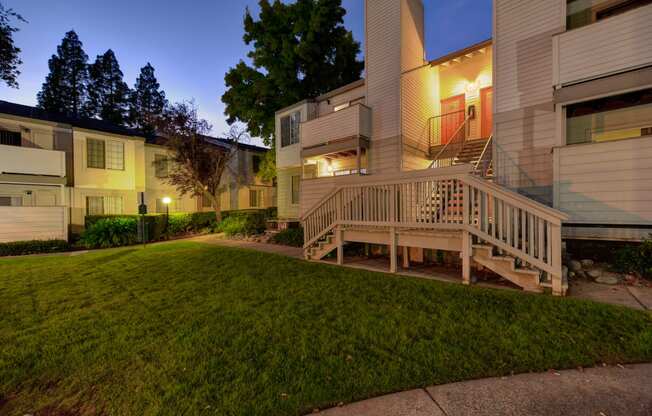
x,y
95,154
618,117
107,154
161,166
341,107
104,205
255,198
255,163
115,155
290,129
11,201
296,187
584,12
94,205
10,138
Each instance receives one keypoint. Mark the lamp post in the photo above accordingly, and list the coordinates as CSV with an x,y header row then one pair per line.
x,y
166,201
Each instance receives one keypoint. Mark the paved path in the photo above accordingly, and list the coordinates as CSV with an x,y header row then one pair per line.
x,y
607,391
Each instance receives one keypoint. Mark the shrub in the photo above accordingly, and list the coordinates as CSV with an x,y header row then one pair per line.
x,y
111,232
21,248
292,237
635,259
243,223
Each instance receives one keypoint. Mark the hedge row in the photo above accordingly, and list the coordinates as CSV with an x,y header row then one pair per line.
x,y
119,230
21,248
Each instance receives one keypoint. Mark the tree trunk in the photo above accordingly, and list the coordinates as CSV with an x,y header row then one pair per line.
x,y
217,206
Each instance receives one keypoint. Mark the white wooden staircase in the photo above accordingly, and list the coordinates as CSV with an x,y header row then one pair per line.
x,y
489,225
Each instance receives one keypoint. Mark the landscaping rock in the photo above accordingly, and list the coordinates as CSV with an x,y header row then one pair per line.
x,y
587,263
572,275
574,265
594,272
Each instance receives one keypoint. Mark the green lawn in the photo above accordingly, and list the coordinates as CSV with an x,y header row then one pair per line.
x,y
186,328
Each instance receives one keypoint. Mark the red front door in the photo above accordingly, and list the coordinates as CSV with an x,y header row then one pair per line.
x,y
486,111
453,111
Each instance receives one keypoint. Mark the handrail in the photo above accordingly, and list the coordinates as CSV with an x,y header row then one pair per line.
x,y
462,126
513,223
483,154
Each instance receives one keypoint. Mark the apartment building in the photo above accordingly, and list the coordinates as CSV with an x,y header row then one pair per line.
x,y
56,170
574,111
496,151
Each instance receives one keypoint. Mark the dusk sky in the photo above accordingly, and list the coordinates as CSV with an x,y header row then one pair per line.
x,y
192,44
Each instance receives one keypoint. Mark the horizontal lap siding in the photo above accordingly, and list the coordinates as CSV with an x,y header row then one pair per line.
x,y
525,119
419,102
32,223
615,44
608,183
284,193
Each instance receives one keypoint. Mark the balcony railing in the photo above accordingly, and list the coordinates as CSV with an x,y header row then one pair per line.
x,y
351,122
32,161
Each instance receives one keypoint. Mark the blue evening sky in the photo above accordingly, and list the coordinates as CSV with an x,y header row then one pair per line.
x,y
192,44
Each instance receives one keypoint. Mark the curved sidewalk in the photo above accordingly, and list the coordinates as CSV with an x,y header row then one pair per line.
x,y
604,391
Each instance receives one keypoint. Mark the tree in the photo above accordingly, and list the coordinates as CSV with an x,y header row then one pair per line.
x,y
147,100
197,164
66,86
300,50
9,52
108,94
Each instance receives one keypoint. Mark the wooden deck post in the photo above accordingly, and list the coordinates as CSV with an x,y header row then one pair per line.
x,y
406,257
339,239
557,279
393,249
466,257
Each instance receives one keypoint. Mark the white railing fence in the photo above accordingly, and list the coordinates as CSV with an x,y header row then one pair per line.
x,y
514,224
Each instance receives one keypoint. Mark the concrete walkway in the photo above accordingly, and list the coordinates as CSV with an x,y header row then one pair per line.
x,y
606,391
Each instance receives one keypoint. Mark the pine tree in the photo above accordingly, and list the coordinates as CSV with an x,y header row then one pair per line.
x,y
66,86
147,100
108,94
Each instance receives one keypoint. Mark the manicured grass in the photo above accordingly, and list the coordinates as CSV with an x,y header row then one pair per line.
x,y
186,328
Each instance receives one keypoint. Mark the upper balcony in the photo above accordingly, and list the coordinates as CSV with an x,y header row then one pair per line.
x,y
605,42
351,123
32,161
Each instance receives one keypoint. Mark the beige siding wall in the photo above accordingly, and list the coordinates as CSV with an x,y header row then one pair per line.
x,y
289,156
524,121
33,223
605,183
419,102
326,106
613,45
157,188
286,209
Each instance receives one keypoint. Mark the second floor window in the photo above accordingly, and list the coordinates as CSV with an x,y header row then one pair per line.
x,y
10,138
618,117
290,129
584,12
105,154
95,153
161,166
255,163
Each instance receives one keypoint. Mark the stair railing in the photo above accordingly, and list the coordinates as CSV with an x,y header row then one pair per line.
x,y
446,156
481,167
514,224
